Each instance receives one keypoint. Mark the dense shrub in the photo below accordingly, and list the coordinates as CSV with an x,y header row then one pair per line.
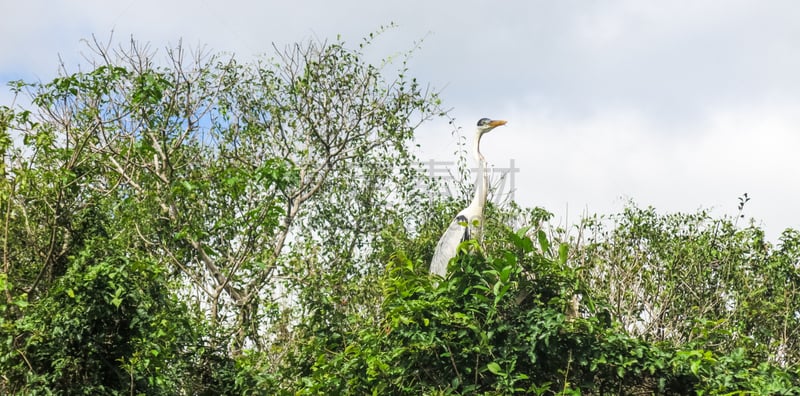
x,y
507,323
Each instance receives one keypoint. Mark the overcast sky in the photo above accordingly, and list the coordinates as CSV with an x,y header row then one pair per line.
x,y
677,104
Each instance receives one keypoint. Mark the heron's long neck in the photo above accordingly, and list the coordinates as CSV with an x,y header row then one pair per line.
x,y
482,183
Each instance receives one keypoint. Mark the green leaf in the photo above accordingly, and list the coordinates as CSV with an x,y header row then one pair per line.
x,y
21,302
695,366
495,369
544,243
563,250
522,232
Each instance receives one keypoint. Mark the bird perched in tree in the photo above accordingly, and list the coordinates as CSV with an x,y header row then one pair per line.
x,y
469,220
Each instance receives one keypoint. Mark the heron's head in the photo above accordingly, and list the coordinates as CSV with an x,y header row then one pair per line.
x,y
485,125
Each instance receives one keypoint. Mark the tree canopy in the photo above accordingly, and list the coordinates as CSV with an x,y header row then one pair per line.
x,y
181,222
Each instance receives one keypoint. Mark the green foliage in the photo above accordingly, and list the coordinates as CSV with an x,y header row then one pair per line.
x,y
204,226
689,278
250,190
507,324
109,324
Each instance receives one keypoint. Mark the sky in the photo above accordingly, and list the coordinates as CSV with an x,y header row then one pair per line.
x,y
682,105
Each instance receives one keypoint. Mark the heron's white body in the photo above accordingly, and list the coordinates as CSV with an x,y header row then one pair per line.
x,y
472,215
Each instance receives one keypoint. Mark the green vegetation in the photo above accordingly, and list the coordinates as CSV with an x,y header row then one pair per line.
x,y
194,225
536,318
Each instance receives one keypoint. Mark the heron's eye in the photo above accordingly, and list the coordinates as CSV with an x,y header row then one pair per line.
x,y
484,121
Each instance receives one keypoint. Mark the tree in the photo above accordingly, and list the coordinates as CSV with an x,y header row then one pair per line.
x,y
244,185
195,224
690,278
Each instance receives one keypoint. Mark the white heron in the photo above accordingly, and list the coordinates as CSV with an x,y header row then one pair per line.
x,y
471,218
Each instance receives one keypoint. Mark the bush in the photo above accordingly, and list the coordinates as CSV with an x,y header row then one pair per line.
x,y
515,322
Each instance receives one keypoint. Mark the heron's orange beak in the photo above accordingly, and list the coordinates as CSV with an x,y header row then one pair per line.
x,y
497,123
